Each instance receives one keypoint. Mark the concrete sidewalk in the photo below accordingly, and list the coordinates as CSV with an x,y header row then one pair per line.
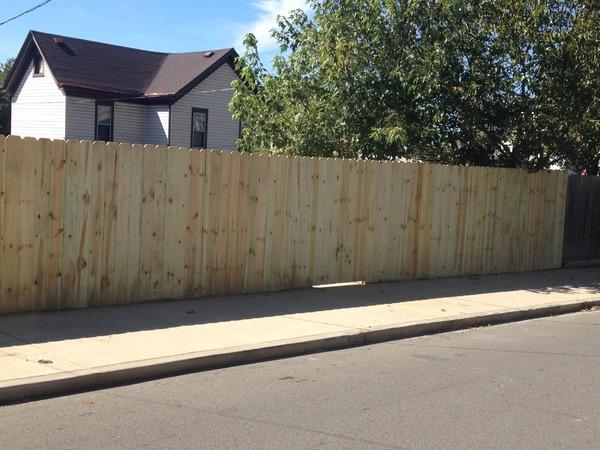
x,y
58,352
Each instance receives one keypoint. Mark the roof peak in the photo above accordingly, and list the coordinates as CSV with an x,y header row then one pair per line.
x,y
54,35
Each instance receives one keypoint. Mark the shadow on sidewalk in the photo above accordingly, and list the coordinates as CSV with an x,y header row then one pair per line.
x,y
31,328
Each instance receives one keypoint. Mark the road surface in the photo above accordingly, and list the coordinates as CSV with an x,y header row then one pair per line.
x,y
532,384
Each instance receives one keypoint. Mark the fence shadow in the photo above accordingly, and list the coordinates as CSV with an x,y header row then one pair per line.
x,y
31,328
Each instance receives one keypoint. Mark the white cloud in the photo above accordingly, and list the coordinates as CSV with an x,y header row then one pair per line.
x,y
262,26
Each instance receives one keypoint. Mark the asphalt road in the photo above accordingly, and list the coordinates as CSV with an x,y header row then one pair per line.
x,y
532,384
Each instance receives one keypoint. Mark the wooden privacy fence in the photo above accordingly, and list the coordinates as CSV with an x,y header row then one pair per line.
x,y
582,223
87,223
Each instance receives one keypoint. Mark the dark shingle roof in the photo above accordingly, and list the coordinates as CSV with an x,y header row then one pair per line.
x,y
83,64
180,69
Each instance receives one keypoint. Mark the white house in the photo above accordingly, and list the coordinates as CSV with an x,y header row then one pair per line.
x,y
67,88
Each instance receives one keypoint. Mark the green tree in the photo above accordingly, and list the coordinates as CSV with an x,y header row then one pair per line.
x,y
5,98
489,82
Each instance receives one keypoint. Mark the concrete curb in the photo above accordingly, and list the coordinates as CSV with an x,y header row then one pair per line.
x,y
87,379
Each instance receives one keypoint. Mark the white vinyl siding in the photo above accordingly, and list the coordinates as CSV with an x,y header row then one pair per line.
x,y
81,114
213,94
38,106
130,123
157,124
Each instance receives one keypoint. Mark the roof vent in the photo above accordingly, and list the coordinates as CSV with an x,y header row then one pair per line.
x,y
209,54
59,41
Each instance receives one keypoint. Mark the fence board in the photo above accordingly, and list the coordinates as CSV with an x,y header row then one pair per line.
x,y
158,240
123,182
41,223
176,207
11,230
91,224
194,224
229,275
132,240
147,221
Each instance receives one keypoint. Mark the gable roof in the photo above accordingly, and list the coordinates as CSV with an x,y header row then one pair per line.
x,y
112,70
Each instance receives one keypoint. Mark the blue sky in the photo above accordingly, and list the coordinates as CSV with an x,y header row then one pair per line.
x,y
169,26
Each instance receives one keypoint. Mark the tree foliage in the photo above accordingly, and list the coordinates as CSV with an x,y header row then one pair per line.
x,y
5,98
511,83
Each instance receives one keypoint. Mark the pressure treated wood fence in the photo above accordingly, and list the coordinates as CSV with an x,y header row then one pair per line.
x,y
86,223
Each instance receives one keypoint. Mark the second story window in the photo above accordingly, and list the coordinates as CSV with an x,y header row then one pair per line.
x,y
104,122
38,66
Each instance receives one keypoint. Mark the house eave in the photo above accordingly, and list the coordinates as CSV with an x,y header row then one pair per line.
x,y
129,97
88,92
19,66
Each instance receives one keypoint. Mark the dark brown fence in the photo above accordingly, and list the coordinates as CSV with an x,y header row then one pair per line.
x,y
582,222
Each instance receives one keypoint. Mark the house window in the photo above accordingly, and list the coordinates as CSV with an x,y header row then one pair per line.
x,y
199,127
38,66
104,122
